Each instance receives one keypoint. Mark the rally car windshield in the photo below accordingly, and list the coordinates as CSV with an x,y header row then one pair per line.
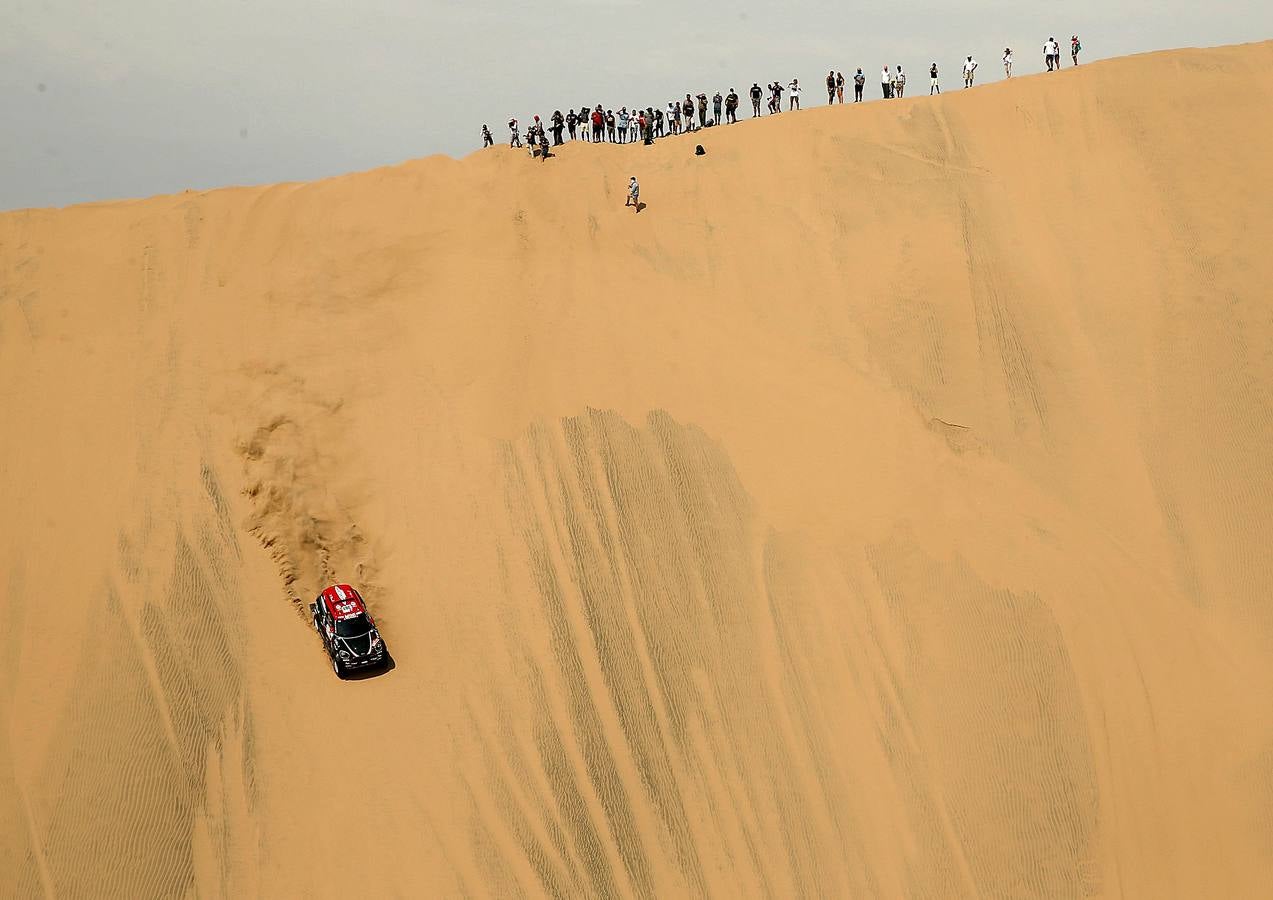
x,y
354,626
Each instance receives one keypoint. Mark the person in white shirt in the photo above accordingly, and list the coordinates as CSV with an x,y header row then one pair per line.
x,y
969,68
1007,61
899,82
793,94
886,83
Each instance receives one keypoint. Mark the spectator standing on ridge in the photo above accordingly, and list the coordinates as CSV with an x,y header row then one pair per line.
x,y
777,100
755,99
702,110
487,140
1007,61
634,125
731,107
859,82
559,123
970,67
1047,53
839,87
830,87
886,83
623,124
717,101
515,140
598,125
1075,47
934,87
610,123
571,121
900,81
793,94
658,123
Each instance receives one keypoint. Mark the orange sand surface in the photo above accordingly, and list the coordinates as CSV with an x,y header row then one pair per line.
x,y
885,511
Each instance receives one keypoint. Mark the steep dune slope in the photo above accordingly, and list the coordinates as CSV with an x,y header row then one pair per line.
x,y
883,511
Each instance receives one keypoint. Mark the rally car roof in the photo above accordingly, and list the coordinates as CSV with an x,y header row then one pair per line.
x,y
342,601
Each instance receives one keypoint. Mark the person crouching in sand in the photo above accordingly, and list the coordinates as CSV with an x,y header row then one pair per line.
x,y
634,194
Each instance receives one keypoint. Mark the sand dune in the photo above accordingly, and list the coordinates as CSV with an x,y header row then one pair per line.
x,y
883,512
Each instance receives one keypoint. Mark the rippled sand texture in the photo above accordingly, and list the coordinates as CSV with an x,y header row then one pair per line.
x,y
884,511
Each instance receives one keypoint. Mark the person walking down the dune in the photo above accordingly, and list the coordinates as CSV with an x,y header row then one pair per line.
x,y
515,139
933,87
839,87
970,70
899,82
634,194
731,107
598,125
886,83
1007,62
830,87
1075,47
859,82
1048,58
487,140
756,94
793,94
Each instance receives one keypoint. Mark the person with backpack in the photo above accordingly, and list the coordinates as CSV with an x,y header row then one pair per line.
x,y
793,94
970,68
717,101
515,140
1075,47
731,107
886,83
487,140
839,87
933,87
756,94
830,87
859,82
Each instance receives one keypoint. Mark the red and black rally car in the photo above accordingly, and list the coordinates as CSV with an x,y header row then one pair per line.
x,y
347,629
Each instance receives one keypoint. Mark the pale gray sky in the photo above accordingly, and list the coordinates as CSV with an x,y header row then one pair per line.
x,y
136,97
